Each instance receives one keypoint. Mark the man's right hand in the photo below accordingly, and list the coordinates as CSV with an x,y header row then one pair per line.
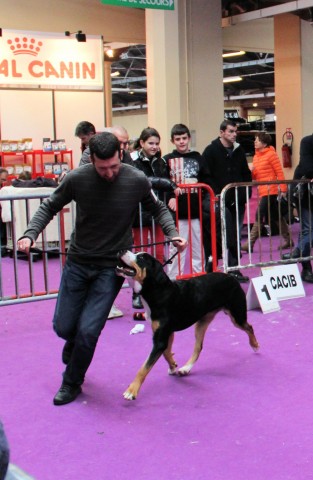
x,y
24,244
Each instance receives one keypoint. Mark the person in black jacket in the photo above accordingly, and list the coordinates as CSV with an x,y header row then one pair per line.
x,y
227,163
305,170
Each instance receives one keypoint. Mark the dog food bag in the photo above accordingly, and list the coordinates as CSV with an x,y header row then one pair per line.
x,y
55,145
62,145
48,168
5,146
28,142
21,145
13,145
18,169
46,145
28,168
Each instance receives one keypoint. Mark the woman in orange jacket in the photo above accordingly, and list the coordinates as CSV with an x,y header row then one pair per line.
x,y
266,167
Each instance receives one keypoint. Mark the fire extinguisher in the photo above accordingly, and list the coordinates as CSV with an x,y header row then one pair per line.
x,y
286,149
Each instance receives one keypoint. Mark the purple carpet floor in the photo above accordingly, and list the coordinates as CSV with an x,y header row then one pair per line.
x,y
240,415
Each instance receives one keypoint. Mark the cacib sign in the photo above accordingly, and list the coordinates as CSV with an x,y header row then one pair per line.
x,y
156,4
33,59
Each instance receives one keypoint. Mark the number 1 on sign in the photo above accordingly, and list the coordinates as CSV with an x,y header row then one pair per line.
x,y
265,290
264,293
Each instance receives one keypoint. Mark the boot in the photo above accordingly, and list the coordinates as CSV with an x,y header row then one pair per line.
x,y
254,235
285,232
294,254
136,303
306,274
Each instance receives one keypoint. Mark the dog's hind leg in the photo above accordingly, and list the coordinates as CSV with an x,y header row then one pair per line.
x,y
169,356
200,330
246,327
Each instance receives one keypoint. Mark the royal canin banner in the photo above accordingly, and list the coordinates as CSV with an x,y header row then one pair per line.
x,y
36,59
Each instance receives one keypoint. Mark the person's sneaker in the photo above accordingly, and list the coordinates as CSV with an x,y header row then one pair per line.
x,y
67,351
67,394
115,312
137,303
294,254
238,276
307,276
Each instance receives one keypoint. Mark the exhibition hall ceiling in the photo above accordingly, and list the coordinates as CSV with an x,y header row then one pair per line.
x,y
248,76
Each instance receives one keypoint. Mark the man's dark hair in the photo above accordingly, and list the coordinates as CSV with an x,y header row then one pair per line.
x,y
179,129
265,138
227,123
104,145
84,128
3,170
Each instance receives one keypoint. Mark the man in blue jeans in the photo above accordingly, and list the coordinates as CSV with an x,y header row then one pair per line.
x,y
107,194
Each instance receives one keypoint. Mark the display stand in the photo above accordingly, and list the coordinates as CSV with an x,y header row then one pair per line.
x,y
38,162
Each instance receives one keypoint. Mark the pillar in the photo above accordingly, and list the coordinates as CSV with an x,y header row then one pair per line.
x,y
293,81
185,70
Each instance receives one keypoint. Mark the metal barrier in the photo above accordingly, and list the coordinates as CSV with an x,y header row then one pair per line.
x,y
268,253
207,202
37,276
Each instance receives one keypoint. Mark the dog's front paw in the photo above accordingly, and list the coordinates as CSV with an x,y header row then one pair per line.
x,y
132,391
185,370
128,395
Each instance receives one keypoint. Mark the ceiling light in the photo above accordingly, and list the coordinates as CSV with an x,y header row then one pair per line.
x,y
109,52
233,54
232,79
115,74
80,36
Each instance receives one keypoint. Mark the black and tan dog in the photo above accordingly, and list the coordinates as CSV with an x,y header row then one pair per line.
x,y
176,305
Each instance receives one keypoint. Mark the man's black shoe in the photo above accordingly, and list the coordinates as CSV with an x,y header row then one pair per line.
x,y
238,275
67,394
67,352
307,276
137,304
294,254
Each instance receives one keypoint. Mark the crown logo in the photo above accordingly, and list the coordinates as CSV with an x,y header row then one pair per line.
x,y
23,45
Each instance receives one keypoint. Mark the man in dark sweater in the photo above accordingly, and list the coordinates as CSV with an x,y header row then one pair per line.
x,y
227,163
107,193
86,130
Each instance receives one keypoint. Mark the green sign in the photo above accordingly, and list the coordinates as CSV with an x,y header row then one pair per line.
x,y
160,4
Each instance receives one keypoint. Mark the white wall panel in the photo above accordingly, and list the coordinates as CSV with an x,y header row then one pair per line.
x,y
26,114
72,108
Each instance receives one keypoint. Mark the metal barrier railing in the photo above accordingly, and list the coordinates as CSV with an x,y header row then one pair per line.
x,y
23,278
207,219
266,253
37,276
